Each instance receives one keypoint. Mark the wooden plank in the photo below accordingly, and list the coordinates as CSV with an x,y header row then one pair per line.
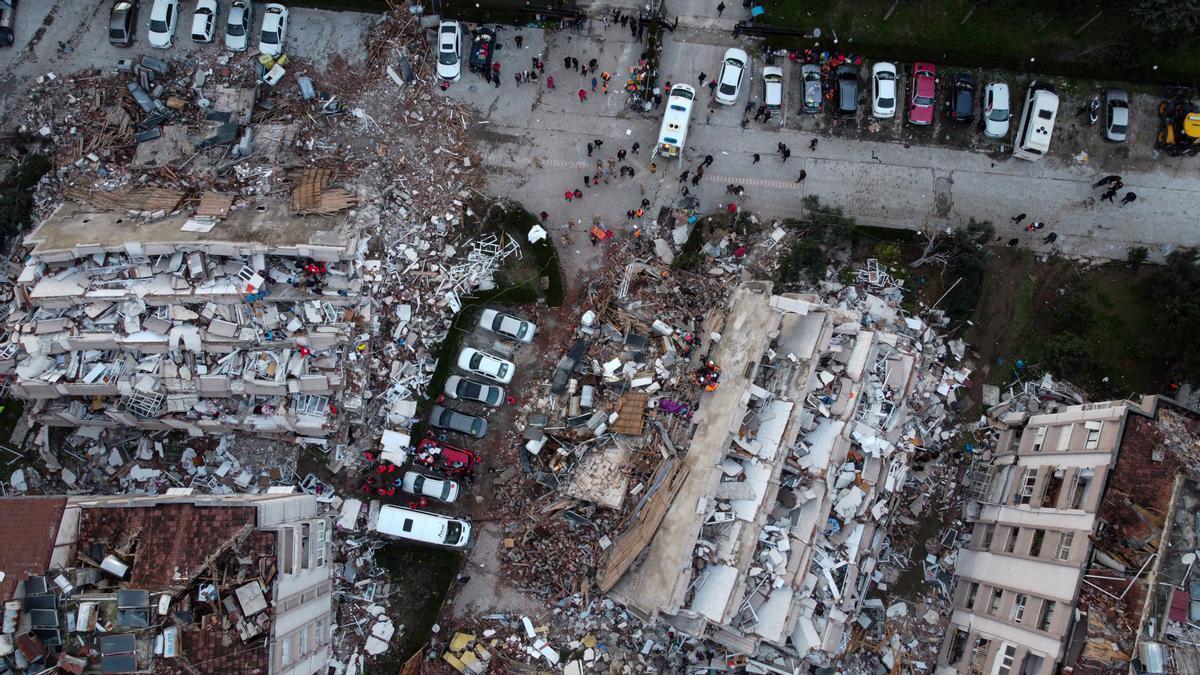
x,y
631,409
637,537
214,205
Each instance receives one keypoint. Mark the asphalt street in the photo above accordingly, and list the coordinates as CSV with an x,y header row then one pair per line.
x,y
891,184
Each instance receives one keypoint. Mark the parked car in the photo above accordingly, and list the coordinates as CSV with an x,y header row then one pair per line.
x,y
922,93
733,70
274,29
847,90
239,25
428,528
449,65
164,16
772,77
996,110
122,23
448,459
810,80
445,418
506,325
482,46
443,490
1116,115
8,20
204,21
883,90
492,367
962,98
459,387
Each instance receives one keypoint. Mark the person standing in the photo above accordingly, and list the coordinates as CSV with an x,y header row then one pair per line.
x,y
582,95
1050,238
756,158
684,176
567,62
720,9
589,149
550,82
787,152
803,175
519,39
594,83
621,155
812,145
1129,198
1108,195
1017,219
703,77
635,147
708,160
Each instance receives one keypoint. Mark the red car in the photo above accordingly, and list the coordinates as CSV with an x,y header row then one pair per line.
x,y
924,90
446,458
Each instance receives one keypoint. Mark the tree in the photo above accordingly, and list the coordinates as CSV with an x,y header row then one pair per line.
x,y
1166,16
1174,291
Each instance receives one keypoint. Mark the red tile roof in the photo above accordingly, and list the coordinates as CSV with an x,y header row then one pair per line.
x,y
28,528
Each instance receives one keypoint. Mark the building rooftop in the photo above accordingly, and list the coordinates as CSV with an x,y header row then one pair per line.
x,y
74,230
28,528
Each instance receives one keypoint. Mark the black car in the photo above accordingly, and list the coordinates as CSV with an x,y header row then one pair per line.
x,y
847,90
8,20
482,46
122,22
962,98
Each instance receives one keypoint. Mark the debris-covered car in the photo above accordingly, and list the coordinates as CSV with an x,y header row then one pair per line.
x,y
434,454
482,46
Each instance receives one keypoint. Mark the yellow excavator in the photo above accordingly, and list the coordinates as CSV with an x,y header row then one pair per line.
x,y
1180,120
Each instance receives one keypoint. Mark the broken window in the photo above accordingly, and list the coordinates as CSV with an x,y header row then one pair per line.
x,y
321,543
957,646
1006,659
1025,493
986,532
1083,481
1053,488
1039,438
289,550
1047,615
305,546
972,592
1063,551
1010,543
1018,608
1093,434
1035,544
995,604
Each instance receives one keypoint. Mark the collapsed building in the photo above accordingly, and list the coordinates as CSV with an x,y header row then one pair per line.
x,y
225,318
166,584
1082,524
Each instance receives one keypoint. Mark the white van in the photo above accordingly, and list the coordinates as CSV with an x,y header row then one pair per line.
x,y
673,134
427,528
1037,122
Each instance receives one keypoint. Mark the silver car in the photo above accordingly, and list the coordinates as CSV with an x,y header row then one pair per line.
x,y
239,25
1116,115
810,80
445,418
459,387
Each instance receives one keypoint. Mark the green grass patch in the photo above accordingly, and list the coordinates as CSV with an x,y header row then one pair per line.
x,y
423,575
517,222
691,257
1001,34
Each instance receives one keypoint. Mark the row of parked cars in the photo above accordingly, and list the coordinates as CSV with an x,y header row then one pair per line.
x,y
166,15
452,461
451,40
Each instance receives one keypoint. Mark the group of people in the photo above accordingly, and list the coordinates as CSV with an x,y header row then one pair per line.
x,y
605,168
1113,185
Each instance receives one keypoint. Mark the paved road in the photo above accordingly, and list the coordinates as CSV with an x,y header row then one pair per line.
x,y
892,184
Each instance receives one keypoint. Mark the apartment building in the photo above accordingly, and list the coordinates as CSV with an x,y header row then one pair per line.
x,y
1033,506
166,584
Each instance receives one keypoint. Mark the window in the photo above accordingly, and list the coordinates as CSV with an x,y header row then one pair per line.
x,y
1005,659
1064,437
1018,608
1047,615
979,655
303,640
1083,480
1053,488
289,550
1093,434
321,543
305,546
989,531
1039,438
1025,493
995,604
957,646
972,592
1010,543
1035,544
319,631
1063,550
285,651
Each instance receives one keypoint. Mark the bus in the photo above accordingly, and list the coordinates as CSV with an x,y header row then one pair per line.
x,y
673,134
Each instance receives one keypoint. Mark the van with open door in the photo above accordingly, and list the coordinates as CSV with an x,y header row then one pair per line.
x,y
1037,122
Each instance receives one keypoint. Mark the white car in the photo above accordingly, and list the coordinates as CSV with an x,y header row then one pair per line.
x,y
996,110
461,388
883,90
238,25
434,488
449,65
772,77
506,325
204,21
492,367
164,17
729,82
274,29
